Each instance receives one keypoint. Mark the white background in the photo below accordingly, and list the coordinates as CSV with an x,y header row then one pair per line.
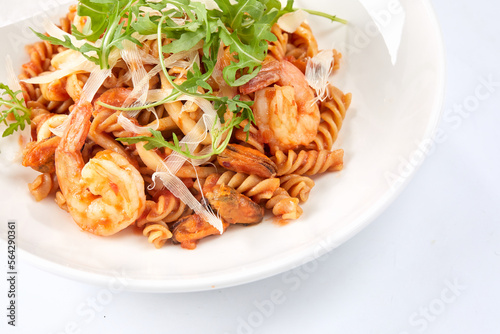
x,y
429,264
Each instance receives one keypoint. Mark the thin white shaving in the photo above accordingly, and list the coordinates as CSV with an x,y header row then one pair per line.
x,y
187,106
154,12
59,130
56,32
52,76
209,4
148,58
146,37
124,78
175,60
114,57
193,58
94,82
191,140
153,111
205,105
179,21
128,125
70,61
80,23
318,72
291,21
140,78
211,123
190,54
175,161
156,95
204,151
52,30
150,11
141,88
179,190
182,64
142,38
140,94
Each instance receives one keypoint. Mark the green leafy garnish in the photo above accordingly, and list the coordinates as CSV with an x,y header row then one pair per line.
x,y
106,18
244,26
16,108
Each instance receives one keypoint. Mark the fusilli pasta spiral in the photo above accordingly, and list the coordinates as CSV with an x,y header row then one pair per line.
x,y
308,162
333,111
297,186
283,205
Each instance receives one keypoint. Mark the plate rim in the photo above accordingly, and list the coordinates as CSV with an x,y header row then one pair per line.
x,y
288,261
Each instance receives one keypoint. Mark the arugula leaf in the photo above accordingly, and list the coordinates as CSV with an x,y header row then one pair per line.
x,y
145,24
107,19
246,59
15,107
244,26
96,23
186,41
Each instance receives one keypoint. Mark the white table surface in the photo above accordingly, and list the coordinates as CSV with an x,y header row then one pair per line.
x,y
429,264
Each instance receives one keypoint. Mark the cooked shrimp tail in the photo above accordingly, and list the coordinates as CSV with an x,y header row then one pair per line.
x,y
105,195
286,114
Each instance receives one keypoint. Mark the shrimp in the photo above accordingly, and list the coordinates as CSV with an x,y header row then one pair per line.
x,y
105,195
286,115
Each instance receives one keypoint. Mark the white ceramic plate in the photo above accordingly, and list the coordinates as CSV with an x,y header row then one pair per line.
x,y
394,66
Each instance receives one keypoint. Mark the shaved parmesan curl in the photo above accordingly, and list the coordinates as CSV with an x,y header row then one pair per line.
x,y
318,72
290,22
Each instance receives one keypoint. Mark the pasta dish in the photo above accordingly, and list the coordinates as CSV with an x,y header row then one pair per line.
x,y
178,118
